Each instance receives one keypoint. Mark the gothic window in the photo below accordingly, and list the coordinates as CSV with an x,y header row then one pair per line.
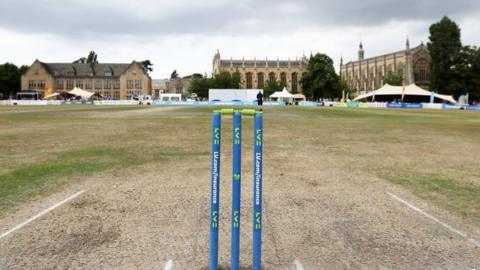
x,y
390,69
283,78
400,69
261,80
249,79
294,82
271,77
420,71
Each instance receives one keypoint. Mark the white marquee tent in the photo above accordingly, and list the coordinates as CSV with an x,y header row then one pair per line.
x,y
410,90
81,93
282,95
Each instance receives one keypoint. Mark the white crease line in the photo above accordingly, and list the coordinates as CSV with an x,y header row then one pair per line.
x,y
168,265
445,225
298,264
46,211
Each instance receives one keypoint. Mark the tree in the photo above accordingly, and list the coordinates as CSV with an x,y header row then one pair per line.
x,y
222,80
394,79
92,58
200,86
475,74
227,80
465,73
10,79
147,66
271,87
174,75
194,76
320,79
444,48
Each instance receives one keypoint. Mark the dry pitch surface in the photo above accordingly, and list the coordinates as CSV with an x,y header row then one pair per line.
x,y
329,177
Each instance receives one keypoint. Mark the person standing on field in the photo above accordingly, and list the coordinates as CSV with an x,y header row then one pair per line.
x,y
260,98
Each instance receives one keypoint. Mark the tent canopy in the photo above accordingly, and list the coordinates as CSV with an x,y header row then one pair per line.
x,y
299,96
81,93
284,94
51,96
389,91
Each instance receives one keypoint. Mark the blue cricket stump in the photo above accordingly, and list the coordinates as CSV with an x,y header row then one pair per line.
x,y
236,190
257,191
215,189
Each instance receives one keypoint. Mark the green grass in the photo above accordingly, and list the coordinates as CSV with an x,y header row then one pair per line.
x,y
46,148
458,197
29,180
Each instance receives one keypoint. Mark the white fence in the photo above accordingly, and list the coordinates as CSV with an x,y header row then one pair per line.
x,y
435,106
116,102
13,102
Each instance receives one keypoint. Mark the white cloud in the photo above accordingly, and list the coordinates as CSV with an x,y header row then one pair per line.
x,y
184,35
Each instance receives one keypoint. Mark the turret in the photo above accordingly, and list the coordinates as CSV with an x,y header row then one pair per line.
x,y
216,62
361,52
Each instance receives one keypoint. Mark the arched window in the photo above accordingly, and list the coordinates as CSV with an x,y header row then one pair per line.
x,y
400,69
283,78
249,80
271,77
294,82
420,71
260,80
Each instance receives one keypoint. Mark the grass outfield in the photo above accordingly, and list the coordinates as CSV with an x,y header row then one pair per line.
x,y
432,154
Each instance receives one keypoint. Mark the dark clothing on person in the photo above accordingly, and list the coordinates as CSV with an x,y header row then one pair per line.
x,y
260,99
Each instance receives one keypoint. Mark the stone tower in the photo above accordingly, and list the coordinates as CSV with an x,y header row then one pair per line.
x,y
408,73
361,52
216,62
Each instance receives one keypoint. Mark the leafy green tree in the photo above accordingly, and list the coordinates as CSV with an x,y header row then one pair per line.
x,y
320,80
466,73
194,76
147,66
394,79
222,80
200,86
81,60
10,79
444,47
272,87
227,80
174,75
474,89
92,58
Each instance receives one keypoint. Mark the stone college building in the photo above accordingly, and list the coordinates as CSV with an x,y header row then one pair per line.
x,y
366,75
255,73
115,81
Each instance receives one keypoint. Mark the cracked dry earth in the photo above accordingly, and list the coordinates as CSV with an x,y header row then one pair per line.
x,y
315,211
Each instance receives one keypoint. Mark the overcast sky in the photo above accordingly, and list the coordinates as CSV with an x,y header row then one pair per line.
x,y
184,35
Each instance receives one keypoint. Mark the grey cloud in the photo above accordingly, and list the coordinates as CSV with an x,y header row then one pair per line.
x,y
71,19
